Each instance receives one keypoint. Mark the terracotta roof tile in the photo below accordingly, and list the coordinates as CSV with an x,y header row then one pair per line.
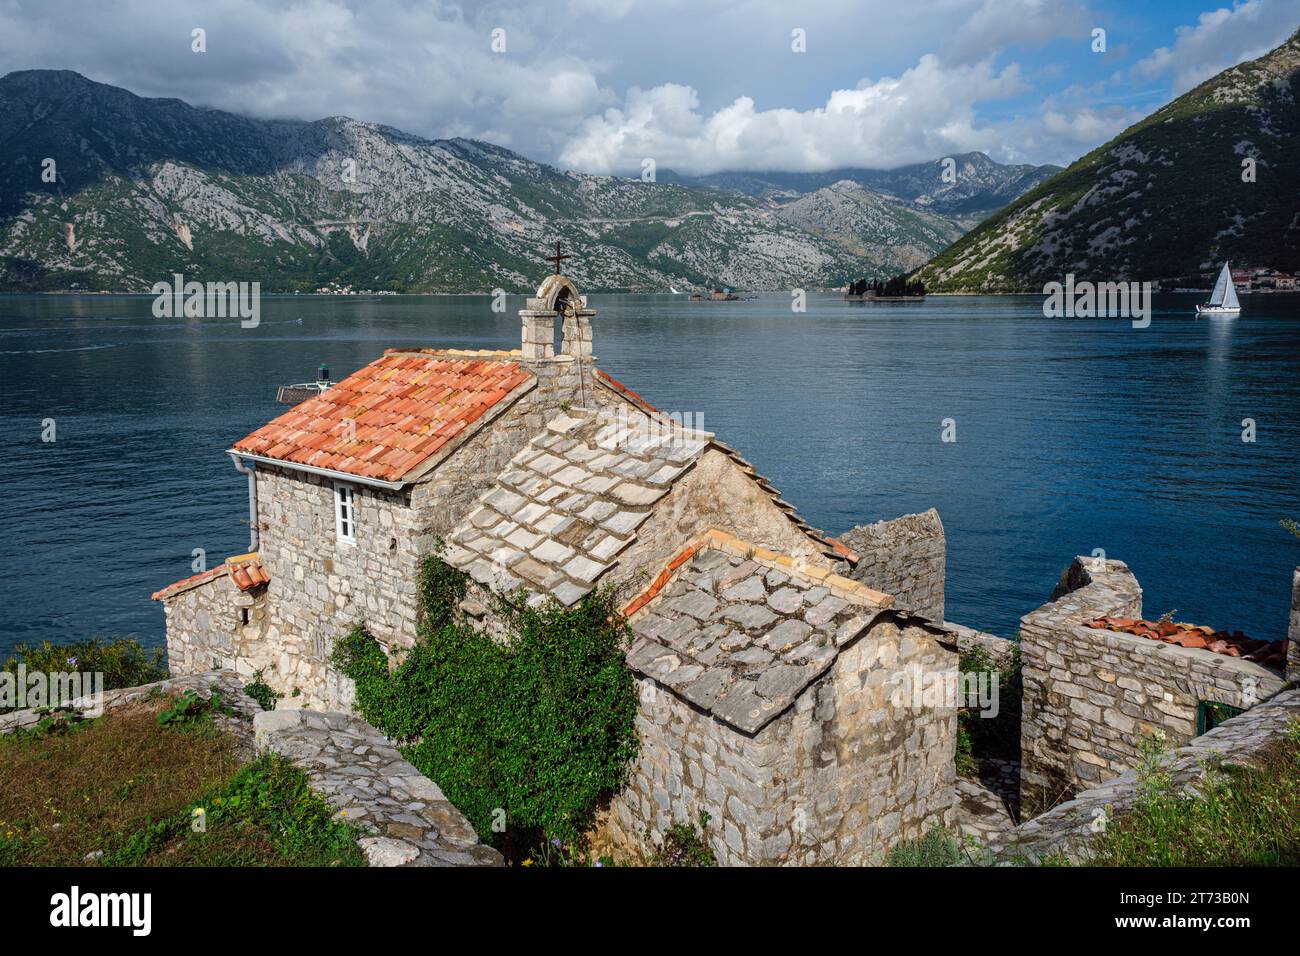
x,y
245,571
386,420
1270,654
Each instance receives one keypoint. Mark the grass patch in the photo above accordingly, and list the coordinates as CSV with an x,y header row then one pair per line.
x,y
1242,815
122,789
936,848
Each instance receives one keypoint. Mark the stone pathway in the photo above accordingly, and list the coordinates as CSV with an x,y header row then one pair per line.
x,y
357,770
986,807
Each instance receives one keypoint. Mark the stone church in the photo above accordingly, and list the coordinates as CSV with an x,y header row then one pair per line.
x,y
765,650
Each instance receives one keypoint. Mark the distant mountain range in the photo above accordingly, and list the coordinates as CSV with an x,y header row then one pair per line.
x,y
1168,199
978,186
144,188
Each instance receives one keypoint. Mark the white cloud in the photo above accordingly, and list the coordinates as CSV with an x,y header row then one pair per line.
x,y
925,112
998,24
1221,38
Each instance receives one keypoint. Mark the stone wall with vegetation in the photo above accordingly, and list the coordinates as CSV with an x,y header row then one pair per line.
x,y
1069,829
905,557
223,682
837,779
1091,697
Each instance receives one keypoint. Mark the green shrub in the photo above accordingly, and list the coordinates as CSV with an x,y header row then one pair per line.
x,y
189,710
527,733
936,848
684,845
261,692
999,737
123,662
266,814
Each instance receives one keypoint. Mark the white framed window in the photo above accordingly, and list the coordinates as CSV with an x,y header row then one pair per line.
x,y
345,514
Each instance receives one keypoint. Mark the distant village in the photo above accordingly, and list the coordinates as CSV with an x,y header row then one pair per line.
x,y
1264,280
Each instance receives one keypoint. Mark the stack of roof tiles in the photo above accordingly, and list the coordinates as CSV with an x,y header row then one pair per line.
x,y
246,572
740,632
1235,644
570,503
386,420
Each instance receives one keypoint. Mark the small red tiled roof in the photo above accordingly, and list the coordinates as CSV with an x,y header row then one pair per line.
x,y
1235,644
246,572
386,420
620,387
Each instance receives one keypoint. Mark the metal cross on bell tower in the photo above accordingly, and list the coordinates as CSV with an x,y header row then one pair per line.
x,y
558,258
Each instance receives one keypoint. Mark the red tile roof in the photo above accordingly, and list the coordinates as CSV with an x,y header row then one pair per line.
x,y
388,419
1235,644
246,572
620,387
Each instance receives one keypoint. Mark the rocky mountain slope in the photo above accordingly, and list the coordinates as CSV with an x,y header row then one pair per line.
x,y
896,234
144,188
1167,199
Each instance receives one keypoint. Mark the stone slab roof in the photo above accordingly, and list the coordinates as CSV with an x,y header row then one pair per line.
x,y
570,502
395,418
740,631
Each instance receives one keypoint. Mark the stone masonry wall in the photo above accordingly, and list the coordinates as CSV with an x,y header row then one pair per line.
x,y
905,557
715,493
837,779
1091,696
206,629
1293,632
1067,830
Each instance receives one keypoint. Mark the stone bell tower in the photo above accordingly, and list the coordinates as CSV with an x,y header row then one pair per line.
x,y
557,298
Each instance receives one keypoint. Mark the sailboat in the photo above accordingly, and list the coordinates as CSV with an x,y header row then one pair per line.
x,y
1223,300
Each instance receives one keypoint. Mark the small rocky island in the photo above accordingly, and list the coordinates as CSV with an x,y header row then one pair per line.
x,y
896,289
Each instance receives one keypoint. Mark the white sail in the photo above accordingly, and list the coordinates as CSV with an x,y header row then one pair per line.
x,y
1230,293
1221,288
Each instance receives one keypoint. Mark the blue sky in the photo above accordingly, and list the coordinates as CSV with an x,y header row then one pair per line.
x,y
696,85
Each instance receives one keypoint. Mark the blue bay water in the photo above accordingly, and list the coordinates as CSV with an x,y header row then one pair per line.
x,y
1072,435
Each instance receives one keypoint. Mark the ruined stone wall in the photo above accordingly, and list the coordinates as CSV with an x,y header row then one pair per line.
x,y
837,779
407,819
905,557
1090,696
1067,830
